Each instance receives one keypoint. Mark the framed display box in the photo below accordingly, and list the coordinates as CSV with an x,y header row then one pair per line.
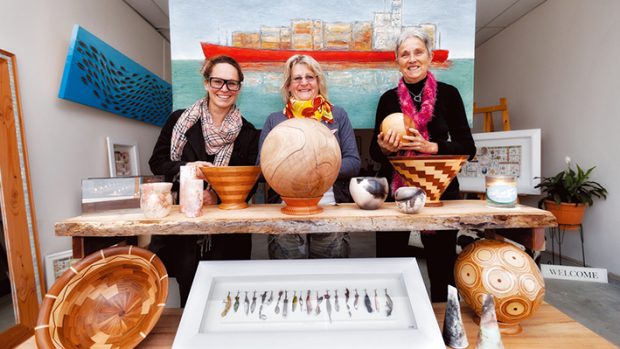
x,y
514,153
229,305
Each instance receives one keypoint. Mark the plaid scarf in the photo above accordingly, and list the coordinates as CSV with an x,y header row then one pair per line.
x,y
318,108
218,141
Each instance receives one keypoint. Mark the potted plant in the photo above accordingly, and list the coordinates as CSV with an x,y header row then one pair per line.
x,y
568,193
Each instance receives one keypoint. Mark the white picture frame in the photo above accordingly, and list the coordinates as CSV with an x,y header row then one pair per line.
x,y
412,319
122,157
504,153
55,265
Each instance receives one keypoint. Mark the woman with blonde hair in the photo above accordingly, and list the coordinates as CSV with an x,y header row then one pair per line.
x,y
304,93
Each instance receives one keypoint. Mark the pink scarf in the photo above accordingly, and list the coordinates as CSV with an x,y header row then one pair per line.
x,y
419,118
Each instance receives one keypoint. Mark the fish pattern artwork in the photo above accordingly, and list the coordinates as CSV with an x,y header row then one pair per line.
x,y
99,76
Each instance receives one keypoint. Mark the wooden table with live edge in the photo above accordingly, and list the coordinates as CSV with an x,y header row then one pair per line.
x,y
522,224
548,328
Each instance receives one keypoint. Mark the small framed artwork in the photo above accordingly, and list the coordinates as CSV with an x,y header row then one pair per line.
x,y
122,157
515,153
56,264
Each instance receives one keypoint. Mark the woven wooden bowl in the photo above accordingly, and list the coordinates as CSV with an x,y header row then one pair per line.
x,y
232,184
110,299
433,173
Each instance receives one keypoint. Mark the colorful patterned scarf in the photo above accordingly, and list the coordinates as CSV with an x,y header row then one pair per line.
x,y
218,141
318,108
420,118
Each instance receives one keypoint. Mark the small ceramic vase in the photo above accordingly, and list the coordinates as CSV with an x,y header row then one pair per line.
x,y
156,199
369,193
186,173
409,199
193,197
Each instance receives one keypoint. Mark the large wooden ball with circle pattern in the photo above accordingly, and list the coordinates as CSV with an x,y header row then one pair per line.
x,y
506,272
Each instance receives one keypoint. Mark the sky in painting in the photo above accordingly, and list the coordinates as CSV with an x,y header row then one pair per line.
x,y
214,21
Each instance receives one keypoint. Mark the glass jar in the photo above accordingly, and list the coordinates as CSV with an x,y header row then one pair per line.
x,y
501,191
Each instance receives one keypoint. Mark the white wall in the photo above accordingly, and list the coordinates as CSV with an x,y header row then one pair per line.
x,y
558,68
66,140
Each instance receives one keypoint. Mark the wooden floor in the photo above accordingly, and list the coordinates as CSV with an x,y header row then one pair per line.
x,y
548,328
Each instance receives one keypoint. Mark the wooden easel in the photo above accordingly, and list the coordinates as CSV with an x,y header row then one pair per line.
x,y
488,120
488,115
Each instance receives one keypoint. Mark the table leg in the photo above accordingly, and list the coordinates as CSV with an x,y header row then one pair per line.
x,y
78,246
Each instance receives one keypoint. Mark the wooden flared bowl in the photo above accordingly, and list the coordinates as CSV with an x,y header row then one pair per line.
x,y
232,184
110,299
433,173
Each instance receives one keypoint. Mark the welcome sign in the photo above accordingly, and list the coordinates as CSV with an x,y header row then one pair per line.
x,y
562,272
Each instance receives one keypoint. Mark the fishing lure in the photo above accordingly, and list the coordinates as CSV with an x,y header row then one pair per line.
x,y
308,303
318,303
253,305
260,310
301,301
389,305
346,300
285,304
356,302
277,310
246,304
336,305
376,301
328,306
270,299
236,306
367,302
227,304
294,305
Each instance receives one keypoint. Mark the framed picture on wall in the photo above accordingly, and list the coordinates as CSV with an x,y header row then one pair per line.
x,y
122,157
56,264
514,153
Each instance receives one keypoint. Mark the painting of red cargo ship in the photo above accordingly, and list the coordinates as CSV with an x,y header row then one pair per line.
x,y
248,55
354,41
350,42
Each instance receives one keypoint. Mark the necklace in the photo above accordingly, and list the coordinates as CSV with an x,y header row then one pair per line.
x,y
417,98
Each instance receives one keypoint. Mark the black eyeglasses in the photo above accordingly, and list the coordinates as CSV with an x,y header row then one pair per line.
x,y
217,83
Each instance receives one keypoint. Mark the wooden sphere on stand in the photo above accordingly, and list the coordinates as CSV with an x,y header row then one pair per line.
x,y
300,159
504,271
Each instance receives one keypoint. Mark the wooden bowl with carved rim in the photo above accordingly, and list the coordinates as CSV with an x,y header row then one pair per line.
x,y
110,299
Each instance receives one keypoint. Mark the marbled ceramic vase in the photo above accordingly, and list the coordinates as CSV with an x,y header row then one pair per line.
x,y
369,193
156,199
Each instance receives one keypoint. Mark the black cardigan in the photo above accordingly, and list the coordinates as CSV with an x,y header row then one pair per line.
x,y
448,128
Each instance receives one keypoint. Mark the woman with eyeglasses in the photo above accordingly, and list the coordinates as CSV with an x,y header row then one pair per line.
x,y
304,88
211,132
441,128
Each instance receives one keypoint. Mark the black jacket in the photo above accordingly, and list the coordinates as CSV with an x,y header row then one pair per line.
x,y
244,152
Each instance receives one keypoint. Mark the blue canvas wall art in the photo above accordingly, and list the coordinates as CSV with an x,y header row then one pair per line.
x,y
99,76
353,40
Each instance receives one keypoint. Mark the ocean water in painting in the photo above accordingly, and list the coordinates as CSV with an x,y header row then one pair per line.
x,y
356,89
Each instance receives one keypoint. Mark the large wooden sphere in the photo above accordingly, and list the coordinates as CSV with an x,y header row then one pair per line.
x,y
300,158
506,272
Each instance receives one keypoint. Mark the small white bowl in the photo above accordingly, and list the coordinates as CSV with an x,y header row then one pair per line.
x,y
409,199
369,193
